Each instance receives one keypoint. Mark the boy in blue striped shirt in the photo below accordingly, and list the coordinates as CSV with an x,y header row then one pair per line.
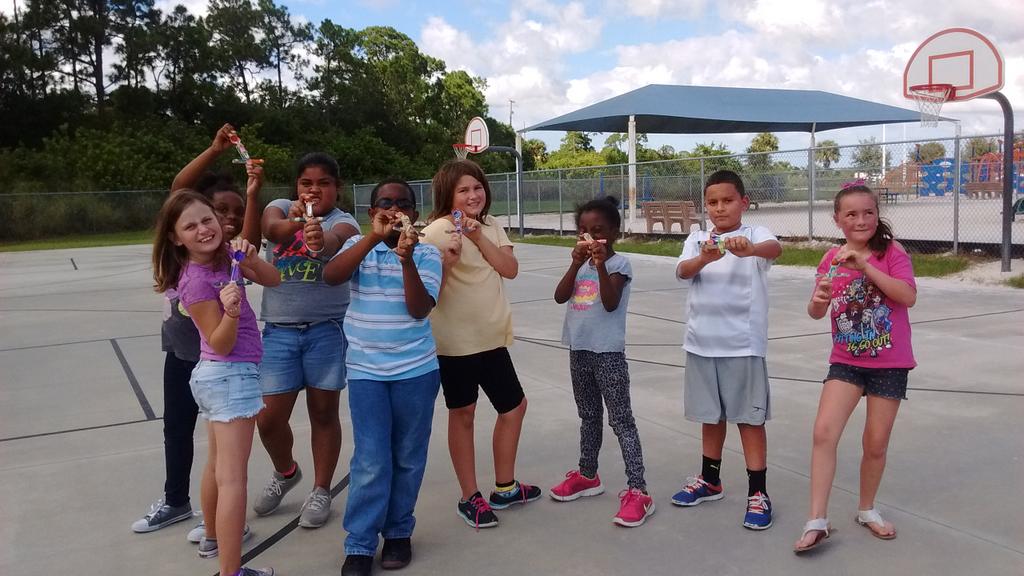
x,y
393,376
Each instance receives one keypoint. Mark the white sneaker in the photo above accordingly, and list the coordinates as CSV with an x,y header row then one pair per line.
x,y
198,533
208,548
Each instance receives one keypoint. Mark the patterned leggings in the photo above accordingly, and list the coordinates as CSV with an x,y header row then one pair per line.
x,y
606,374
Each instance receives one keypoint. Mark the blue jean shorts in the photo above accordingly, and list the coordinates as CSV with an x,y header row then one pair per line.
x,y
225,391
306,355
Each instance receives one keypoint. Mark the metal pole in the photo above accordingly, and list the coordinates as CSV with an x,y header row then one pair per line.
x,y
1007,173
957,159
810,186
559,202
632,171
508,201
704,218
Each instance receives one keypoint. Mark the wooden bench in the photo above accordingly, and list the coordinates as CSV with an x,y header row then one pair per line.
x,y
988,189
667,212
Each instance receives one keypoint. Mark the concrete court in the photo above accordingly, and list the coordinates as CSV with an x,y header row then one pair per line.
x,y
81,457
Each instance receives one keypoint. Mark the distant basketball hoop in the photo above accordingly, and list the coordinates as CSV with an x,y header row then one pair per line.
x,y
462,151
476,139
930,98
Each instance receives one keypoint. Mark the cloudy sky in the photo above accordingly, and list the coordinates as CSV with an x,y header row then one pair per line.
x,y
551,57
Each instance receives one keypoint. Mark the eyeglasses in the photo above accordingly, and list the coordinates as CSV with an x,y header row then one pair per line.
x,y
401,203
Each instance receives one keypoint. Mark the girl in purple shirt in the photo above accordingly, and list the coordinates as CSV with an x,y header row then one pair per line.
x,y
191,256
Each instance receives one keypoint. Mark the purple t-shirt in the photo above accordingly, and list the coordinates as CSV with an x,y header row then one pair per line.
x,y
868,328
196,284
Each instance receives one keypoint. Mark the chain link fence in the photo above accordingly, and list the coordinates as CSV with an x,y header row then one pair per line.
x,y
938,194
791,191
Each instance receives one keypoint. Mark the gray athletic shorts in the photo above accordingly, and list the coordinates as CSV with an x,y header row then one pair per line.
x,y
734,389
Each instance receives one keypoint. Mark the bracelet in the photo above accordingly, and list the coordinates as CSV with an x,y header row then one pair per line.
x,y
313,253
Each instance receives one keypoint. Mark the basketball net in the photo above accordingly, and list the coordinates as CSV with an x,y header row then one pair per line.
x,y
462,150
930,98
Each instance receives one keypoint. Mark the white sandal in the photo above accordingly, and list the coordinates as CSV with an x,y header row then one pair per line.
x,y
867,517
817,525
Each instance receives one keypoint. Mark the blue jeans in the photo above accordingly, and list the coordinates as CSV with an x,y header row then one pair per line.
x,y
391,431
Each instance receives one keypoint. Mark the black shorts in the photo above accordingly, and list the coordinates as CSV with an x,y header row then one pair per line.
x,y
462,376
884,382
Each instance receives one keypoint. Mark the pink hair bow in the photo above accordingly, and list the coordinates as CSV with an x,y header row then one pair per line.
x,y
857,182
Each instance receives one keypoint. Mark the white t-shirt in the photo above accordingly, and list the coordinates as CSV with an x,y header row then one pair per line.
x,y
727,310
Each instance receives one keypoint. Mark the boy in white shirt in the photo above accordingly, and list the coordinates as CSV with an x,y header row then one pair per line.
x,y
726,340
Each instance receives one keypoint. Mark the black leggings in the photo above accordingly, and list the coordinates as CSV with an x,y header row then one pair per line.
x,y
180,412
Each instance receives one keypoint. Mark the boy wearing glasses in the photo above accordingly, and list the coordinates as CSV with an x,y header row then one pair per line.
x,y
393,374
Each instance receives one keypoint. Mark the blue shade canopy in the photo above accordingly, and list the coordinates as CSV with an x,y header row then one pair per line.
x,y
663,109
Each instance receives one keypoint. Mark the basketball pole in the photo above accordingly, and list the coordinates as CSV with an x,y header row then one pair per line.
x,y
1007,173
519,181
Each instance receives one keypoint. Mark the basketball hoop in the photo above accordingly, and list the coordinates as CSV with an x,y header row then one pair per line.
x,y
462,151
930,98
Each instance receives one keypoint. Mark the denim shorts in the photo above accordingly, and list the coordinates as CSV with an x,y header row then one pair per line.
x,y
884,382
225,391
307,355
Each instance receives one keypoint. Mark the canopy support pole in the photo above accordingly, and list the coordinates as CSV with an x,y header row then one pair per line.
x,y
632,173
811,184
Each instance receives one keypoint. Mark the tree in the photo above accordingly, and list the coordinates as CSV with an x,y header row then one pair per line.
x,y
827,154
241,54
868,157
535,153
759,147
977,146
927,153
134,23
574,141
282,36
717,157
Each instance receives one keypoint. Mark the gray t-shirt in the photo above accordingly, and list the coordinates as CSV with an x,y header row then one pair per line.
x,y
588,326
178,333
302,295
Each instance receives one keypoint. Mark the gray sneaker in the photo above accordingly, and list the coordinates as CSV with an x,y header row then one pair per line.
x,y
197,534
160,515
256,571
316,509
208,547
274,492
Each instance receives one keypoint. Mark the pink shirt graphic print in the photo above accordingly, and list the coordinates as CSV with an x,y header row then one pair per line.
x,y
868,328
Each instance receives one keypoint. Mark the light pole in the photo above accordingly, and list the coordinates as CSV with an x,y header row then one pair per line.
x,y
510,103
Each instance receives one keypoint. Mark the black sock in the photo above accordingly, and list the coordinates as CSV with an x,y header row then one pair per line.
x,y
756,481
505,484
709,470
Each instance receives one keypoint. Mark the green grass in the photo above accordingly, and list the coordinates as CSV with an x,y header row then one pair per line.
x,y
931,265
80,241
1016,281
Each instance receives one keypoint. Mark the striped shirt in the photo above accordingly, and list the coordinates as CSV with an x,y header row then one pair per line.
x,y
384,341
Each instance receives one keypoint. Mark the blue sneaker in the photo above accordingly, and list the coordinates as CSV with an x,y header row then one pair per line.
x,y
759,512
697,491
521,494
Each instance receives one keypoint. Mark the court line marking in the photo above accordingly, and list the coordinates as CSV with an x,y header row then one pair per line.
x,y
143,401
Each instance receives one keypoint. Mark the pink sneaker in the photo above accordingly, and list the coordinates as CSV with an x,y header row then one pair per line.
x,y
575,486
635,508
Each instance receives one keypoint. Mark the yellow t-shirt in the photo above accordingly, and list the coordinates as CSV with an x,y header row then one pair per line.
x,y
472,313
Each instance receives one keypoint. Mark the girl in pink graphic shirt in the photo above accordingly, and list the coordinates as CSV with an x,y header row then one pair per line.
x,y
866,287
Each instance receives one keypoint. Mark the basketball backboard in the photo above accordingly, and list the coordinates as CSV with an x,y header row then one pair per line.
x,y
477,136
960,57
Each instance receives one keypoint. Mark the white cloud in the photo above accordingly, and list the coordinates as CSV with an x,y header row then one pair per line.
x,y
668,9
